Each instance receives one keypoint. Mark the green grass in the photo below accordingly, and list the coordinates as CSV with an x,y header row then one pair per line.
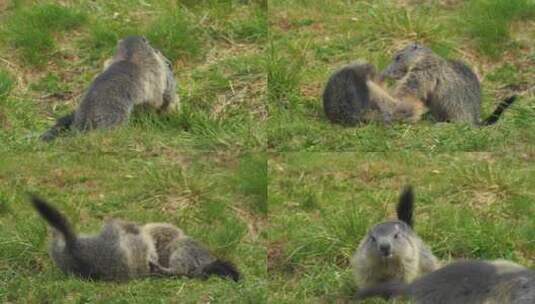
x,y
252,176
232,168
488,22
202,169
284,74
468,205
31,30
308,42
6,84
175,34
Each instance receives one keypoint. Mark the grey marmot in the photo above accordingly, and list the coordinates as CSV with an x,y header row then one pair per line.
x,y
137,74
353,95
391,251
448,88
470,282
180,255
125,250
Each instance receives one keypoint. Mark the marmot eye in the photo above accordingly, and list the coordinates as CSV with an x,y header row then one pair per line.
x,y
372,239
398,58
396,235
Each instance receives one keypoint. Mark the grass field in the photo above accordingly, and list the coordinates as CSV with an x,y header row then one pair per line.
x,y
202,169
467,205
311,39
234,168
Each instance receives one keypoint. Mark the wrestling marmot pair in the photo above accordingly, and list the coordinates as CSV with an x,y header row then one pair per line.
x,y
448,89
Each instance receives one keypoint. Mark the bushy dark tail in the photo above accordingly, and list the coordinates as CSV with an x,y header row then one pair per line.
x,y
406,206
493,118
385,291
62,124
55,219
223,269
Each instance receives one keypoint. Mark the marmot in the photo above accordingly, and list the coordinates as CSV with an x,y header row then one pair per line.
x,y
353,94
137,74
474,282
448,88
391,251
119,252
125,250
180,255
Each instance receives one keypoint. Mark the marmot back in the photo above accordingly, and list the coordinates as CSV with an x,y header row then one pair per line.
x,y
448,88
391,251
137,74
346,95
474,282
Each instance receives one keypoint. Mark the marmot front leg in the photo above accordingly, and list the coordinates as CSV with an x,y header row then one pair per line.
x,y
382,100
407,108
412,96
158,270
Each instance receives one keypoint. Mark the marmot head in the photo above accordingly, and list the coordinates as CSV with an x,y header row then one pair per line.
x,y
403,59
164,60
393,239
136,49
365,69
389,240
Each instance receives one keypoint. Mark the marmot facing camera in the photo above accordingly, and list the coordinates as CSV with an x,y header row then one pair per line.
x,y
391,251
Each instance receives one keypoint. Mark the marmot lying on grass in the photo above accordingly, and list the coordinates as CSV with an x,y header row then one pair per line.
x,y
467,282
125,250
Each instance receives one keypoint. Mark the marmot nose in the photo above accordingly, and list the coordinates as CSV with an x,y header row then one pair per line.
x,y
385,249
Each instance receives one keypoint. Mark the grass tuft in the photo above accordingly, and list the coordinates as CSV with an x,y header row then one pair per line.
x,y
103,37
254,29
400,23
6,84
284,75
252,176
488,22
31,29
176,35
